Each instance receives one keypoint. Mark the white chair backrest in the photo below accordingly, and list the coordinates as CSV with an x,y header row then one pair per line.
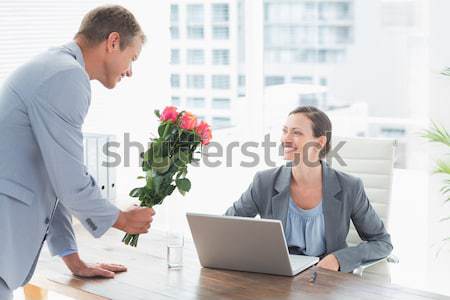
x,y
370,159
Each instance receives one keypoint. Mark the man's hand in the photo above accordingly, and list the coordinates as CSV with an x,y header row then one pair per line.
x,y
329,262
135,220
82,269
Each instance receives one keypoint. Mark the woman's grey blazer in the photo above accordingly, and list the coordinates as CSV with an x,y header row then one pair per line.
x,y
344,199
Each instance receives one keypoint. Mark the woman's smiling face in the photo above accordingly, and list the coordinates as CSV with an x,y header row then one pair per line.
x,y
298,139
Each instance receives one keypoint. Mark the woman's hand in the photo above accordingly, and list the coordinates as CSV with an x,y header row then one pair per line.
x,y
329,262
82,269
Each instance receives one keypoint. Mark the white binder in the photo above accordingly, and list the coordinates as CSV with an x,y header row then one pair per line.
x,y
98,162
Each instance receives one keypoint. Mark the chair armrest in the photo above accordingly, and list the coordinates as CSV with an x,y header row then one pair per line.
x,y
390,259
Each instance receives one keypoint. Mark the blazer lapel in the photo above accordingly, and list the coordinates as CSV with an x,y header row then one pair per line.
x,y
332,206
280,198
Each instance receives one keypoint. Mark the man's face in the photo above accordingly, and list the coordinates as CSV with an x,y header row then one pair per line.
x,y
118,63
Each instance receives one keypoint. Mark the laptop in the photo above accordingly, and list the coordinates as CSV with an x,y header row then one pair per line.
x,y
245,244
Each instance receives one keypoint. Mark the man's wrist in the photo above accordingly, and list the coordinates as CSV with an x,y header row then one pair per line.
x,y
120,222
73,262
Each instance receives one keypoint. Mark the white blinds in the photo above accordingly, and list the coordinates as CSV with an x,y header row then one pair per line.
x,y
29,27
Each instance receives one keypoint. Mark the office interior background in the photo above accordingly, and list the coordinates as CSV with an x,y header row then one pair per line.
x,y
374,66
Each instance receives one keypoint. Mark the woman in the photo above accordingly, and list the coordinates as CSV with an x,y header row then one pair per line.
x,y
315,202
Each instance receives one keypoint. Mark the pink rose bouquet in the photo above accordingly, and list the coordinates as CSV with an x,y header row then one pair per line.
x,y
166,161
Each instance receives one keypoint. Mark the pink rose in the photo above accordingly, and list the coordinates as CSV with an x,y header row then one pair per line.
x,y
169,114
188,121
204,131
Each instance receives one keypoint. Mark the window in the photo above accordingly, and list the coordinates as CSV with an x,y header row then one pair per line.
x,y
273,80
241,80
174,16
278,56
194,13
195,81
196,102
309,100
221,122
330,56
220,33
175,81
195,32
221,57
195,57
221,103
306,56
334,35
220,12
174,32
220,82
175,101
334,11
302,79
175,56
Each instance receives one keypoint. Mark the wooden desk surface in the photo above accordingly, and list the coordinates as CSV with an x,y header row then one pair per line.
x,y
149,278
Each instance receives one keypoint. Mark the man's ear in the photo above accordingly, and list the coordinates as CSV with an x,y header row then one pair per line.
x,y
113,42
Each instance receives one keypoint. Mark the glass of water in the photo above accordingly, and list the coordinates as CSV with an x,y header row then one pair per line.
x,y
175,243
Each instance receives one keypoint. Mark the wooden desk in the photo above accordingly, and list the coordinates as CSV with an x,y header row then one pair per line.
x,y
149,278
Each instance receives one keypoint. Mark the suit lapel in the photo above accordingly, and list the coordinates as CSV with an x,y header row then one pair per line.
x,y
280,198
332,206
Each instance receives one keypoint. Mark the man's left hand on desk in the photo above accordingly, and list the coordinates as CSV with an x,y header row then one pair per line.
x,y
79,268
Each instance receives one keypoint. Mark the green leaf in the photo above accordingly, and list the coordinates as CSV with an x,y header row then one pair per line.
x,y
445,189
140,177
145,167
148,155
183,185
169,190
136,192
443,167
157,113
437,134
156,149
149,178
161,129
444,219
161,164
446,72
182,158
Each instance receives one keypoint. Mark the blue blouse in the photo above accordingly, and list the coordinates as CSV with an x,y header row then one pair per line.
x,y
305,230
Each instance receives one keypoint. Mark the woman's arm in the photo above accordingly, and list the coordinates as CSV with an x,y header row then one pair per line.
x,y
370,228
247,205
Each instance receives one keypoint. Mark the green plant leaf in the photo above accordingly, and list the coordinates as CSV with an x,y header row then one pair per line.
x,y
157,113
149,178
443,167
136,192
437,134
161,129
445,72
148,156
182,158
183,185
169,190
444,219
445,189
161,164
140,177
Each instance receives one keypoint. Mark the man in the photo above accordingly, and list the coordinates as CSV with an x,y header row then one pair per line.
x,y
42,177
